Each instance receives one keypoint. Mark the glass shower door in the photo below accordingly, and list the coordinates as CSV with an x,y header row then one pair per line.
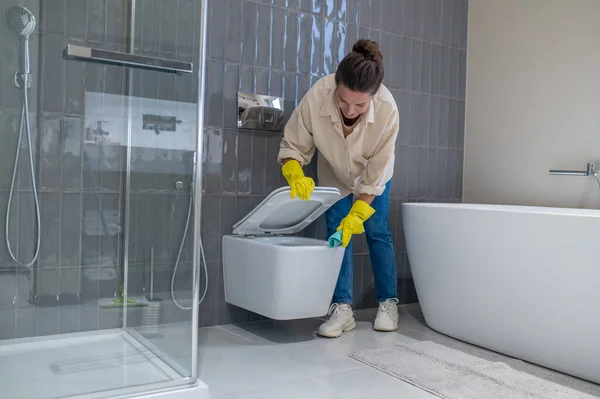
x,y
97,173
164,125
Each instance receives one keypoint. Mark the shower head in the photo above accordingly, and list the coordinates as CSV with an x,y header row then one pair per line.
x,y
20,20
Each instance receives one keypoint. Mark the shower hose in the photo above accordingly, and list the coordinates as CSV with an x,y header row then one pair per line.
x,y
24,123
187,224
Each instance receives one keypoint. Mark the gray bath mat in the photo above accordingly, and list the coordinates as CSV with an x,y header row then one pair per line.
x,y
473,373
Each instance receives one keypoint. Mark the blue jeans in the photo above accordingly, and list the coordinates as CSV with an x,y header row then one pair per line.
x,y
381,248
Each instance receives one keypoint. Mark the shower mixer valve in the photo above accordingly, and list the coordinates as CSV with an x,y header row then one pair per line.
x,y
20,78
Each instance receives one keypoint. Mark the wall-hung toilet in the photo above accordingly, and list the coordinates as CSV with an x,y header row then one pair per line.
x,y
270,272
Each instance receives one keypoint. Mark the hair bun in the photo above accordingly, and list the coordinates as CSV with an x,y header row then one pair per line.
x,y
368,48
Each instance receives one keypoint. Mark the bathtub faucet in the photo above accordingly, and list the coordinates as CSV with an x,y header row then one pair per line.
x,y
591,170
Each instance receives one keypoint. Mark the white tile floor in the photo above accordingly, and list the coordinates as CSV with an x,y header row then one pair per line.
x,y
256,360
287,360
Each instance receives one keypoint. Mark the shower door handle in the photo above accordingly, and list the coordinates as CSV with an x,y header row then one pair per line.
x,y
127,60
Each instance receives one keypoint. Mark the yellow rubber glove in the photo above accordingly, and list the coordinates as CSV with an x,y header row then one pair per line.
x,y
300,185
353,223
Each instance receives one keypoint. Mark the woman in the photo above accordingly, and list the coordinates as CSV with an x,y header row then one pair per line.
x,y
352,119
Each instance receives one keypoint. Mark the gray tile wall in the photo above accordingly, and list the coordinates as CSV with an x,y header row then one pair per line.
x,y
76,178
277,47
281,48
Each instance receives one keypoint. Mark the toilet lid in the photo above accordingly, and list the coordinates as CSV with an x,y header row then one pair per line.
x,y
280,214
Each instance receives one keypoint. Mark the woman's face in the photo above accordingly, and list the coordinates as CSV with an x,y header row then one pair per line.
x,y
351,103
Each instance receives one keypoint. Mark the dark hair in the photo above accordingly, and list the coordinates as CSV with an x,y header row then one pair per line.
x,y
362,69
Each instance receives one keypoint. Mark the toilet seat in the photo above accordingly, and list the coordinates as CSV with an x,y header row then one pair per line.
x,y
279,214
291,241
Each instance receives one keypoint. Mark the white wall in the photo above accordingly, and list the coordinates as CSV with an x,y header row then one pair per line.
x,y
533,101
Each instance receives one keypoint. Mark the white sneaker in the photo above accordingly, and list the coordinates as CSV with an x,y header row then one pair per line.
x,y
341,320
387,316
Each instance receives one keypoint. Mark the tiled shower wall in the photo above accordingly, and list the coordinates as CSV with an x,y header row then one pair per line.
x,y
277,47
281,48
78,179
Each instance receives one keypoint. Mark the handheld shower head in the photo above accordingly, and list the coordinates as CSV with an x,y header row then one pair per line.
x,y
20,20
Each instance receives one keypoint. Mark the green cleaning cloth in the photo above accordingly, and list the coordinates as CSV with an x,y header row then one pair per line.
x,y
335,240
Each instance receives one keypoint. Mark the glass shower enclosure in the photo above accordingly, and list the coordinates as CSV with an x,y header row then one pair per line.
x,y
100,120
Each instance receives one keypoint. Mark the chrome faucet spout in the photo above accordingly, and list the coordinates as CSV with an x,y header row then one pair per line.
x,y
589,171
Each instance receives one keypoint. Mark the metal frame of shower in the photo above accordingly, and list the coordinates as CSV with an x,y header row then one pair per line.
x,y
149,389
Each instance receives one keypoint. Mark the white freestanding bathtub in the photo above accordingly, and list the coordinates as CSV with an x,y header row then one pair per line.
x,y
522,281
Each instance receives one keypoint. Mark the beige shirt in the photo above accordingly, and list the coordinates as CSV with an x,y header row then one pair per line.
x,y
361,163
